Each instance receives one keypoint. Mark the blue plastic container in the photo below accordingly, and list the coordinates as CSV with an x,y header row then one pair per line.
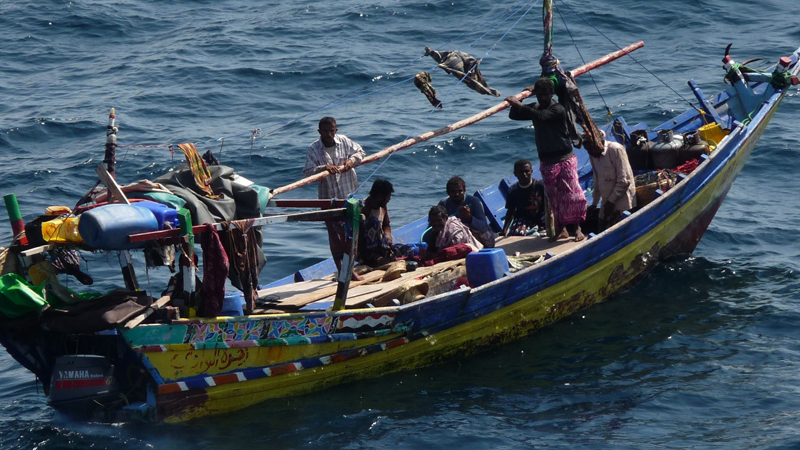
x,y
108,227
164,214
486,266
416,246
232,304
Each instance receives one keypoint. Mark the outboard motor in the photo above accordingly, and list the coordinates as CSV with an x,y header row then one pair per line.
x,y
81,384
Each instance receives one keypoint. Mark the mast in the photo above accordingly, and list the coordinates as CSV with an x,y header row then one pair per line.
x,y
547,26
566,88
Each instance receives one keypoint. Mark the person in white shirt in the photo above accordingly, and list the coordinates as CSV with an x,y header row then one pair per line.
x,y
338,155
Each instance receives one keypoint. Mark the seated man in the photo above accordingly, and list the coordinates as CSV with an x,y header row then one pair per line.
x,y
469,210
613,181
448,231
375,247
525,207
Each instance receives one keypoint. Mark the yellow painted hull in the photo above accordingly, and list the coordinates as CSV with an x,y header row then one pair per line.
x,y
534,311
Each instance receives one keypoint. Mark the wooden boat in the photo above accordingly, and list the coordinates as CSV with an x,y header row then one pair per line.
x,y
313,330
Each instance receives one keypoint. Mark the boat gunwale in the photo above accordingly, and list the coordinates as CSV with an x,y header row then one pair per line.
x,y
721,151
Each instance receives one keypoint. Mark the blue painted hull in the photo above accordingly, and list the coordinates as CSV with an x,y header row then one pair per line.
x,y
198,367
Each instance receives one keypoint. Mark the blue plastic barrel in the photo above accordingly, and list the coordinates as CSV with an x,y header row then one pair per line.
x,y
108,227
164,214
232,304
486,266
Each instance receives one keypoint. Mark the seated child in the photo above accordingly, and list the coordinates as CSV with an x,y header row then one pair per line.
x,y
525,208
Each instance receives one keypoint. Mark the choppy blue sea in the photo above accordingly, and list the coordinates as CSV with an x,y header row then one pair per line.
x,y
704,353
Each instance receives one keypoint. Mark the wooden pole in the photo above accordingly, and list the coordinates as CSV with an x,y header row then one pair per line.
x,y
547,26
125,260
457,125
187,259
348,260
261,221
606,59
14,216
110,158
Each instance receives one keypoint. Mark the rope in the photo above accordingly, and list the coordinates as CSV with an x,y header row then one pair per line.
x,y
336,102
222,144
609,114
253,135
433,108
630,56
343,99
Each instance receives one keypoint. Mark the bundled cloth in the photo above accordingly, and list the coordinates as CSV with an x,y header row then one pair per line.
x,y
422,81
570,98
464,67
199,169
455,232
235,202
451,253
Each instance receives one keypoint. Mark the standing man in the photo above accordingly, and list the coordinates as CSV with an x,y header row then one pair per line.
x,y
338,155
557,163
613,180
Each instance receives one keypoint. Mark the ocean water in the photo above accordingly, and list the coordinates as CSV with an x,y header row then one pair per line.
x,y
703,353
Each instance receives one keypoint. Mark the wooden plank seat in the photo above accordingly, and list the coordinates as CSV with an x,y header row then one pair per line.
x,y
408,287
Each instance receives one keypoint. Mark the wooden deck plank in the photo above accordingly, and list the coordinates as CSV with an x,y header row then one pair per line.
x,y
300,300
297,295
533,245
364,294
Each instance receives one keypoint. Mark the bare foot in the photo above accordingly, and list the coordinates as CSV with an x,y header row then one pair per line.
x,y
356,277
564,234
579,235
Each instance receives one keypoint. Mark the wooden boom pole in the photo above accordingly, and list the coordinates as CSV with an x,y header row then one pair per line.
x,y
461,124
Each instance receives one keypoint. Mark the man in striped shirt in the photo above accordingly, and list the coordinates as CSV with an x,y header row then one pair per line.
x,y
338,155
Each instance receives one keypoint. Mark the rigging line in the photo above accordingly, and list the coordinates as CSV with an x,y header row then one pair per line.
x,y
632,57
336,102
433,108
583,61
502,22
509,30
433,67
374,80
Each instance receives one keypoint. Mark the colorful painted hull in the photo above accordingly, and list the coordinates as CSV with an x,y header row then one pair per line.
x,y
211,367
201,367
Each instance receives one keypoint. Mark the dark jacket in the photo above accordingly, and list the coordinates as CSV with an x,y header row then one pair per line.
x,y
550,125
